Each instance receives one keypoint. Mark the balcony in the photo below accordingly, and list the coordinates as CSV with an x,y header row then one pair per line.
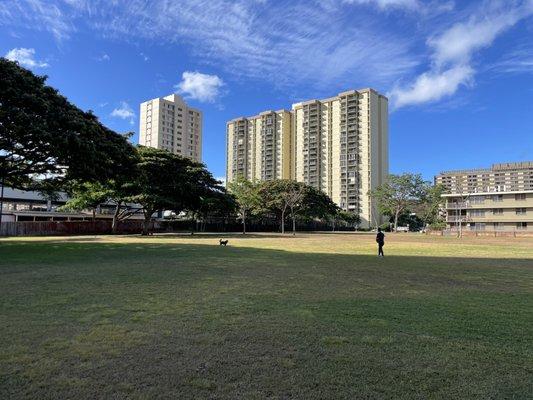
x,y
453,218
456,205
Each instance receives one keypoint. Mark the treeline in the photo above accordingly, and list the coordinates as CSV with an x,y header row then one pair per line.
x,y
284,200
50,145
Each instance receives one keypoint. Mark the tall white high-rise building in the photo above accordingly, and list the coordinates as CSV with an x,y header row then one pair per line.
x,y
338,145
168,123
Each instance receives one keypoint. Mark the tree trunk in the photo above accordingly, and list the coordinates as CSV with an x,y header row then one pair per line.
x,y
396,219
244,222
114,223
293,223
282,221
146,222
94,214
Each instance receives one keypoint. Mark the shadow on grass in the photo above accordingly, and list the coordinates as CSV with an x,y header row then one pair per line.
x,y
175,320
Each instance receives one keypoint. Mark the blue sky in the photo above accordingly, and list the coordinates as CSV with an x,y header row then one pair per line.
x,y
459,75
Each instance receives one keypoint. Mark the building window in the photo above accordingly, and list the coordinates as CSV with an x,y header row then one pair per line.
x,y
477,227
498,197
497,211
520,196
498,226
477,213
477,199
521,211
521,225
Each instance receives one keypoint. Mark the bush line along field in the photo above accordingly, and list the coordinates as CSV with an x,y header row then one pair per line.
x,y
314,316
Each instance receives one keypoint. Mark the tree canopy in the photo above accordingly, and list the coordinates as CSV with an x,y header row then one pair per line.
x,y
283,196
246,195
45,138
397,192
167,181
408,192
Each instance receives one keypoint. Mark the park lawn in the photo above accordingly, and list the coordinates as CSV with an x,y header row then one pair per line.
x,y
316,316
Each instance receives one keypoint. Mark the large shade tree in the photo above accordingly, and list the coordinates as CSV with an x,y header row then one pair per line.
x,y
246,195
87,196
429,206
398,193
166,181
46,139
284,197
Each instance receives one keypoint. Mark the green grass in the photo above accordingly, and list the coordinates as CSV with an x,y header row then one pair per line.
x,y
310,317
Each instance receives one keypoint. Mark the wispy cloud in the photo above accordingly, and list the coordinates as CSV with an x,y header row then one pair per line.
x,y
201,87
516,61
144,57
41,15
284,43
452,52
384,4
288,43
103,57
433,7
25,57
124,111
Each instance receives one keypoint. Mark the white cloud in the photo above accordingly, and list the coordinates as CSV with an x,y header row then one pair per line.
x,y
284,43
458,43
384,4
103,57
453,50
428,8
124,111
25,57
201,87
144,57
432,86
221,179
516,61
42,15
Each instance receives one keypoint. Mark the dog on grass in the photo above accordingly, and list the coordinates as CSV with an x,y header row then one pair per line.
x,y
223,242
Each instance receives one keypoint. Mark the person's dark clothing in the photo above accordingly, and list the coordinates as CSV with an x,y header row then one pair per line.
x,y
380,240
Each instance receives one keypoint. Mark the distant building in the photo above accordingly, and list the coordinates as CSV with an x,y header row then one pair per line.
x,y
338,145
19,205
168,123
258,148
499,198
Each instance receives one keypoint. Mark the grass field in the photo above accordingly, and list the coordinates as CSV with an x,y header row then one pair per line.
x,y
317,316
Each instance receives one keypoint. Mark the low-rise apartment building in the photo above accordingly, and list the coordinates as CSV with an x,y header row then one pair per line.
x,y
499,198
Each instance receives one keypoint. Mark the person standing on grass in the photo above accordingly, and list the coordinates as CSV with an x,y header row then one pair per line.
x,y
380,240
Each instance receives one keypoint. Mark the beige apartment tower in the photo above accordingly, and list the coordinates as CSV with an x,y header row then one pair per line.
x,y
499,198
338,145
258,148
168,123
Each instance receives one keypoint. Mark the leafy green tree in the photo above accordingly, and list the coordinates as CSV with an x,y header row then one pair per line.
x,y
316,204
219,204
246,195
281,196
45,138
87,196
430,203
350,218
166,181
397,193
